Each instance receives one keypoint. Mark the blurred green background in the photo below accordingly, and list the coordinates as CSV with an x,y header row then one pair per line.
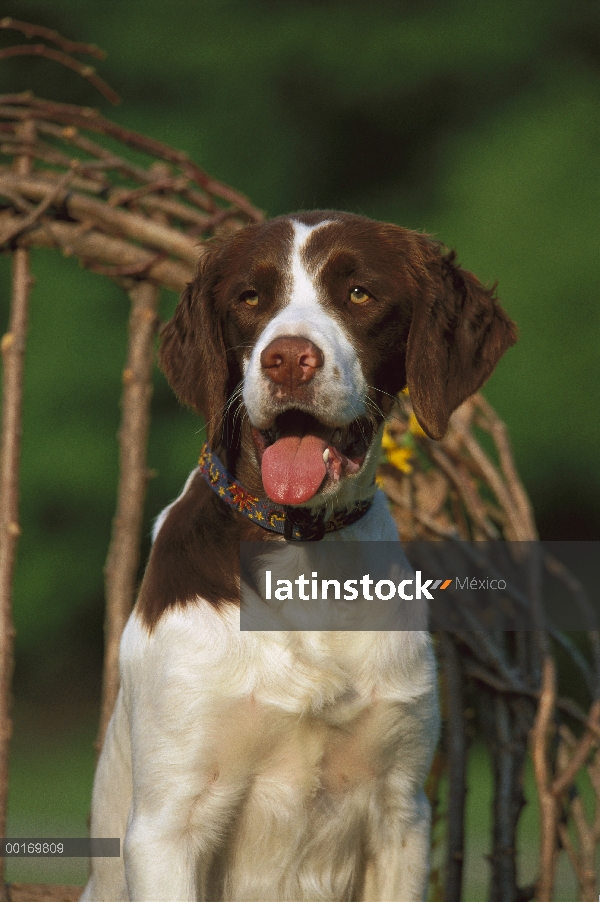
x,y
475,120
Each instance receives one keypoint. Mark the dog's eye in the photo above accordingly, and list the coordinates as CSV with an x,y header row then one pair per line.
x,y
359,295
250,298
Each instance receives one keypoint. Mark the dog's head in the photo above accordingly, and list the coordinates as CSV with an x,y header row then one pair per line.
x,y
296,334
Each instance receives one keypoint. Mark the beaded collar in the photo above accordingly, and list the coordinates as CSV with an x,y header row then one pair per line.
x,y
294,523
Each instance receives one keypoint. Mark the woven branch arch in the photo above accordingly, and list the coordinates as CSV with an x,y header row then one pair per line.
x,y
68,183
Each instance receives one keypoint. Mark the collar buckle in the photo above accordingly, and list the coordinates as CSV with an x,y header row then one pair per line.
x,y
302,525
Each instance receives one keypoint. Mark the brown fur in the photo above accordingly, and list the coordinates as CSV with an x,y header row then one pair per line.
x,y
195,553
430,324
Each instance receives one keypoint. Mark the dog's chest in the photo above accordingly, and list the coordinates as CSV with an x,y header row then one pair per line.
x,y
311,723
317,757
315,747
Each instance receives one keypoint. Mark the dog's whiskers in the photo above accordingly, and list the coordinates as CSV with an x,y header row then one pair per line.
x,y
375,407
360,426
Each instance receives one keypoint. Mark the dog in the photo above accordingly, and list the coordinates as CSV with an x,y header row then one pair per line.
x,y
281,765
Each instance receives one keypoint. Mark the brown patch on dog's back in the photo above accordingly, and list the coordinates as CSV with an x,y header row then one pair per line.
x,y
195,555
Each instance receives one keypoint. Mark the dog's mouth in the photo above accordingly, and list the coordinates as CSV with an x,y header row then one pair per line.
x,y
299,454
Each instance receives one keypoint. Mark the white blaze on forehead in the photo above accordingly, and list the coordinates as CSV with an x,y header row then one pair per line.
x,y
302,312
339,388
304,291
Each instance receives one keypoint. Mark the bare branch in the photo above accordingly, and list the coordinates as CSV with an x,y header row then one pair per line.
x,y
57,56
116,222
94,248
465,488
13,352
123,556
456,753
580,754
548,804
38,212
48,34
86,118
515,488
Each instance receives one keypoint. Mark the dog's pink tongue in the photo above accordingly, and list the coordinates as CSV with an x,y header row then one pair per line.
x,y
293,468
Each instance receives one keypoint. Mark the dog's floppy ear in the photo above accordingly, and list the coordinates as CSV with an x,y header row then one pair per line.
x,y
192,352
457,336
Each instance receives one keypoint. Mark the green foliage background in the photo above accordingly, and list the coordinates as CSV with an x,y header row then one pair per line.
x,y
475,120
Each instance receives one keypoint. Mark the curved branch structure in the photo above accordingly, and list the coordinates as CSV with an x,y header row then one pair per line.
x,y
144,224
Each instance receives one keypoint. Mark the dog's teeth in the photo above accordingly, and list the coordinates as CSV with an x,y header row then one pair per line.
x,y
326,455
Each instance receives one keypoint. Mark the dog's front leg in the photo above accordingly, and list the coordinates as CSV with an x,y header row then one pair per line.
x,y
171,841
183,800
399,867
159,865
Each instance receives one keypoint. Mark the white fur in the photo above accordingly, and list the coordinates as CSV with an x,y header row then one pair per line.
x,y
339,386
276,756
274,765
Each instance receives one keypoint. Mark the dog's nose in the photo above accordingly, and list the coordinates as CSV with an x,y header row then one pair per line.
x,y
291,361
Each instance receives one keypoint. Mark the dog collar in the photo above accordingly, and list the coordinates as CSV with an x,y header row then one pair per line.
x,y
294,523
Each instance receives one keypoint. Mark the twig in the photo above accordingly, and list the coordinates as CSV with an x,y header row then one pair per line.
x,y
580,754
93,246
582,860
127,270
13,353
558,569
515,488
493,657
451,534
57,56
578,659
38,151
92,185
103,159
508,754
456,751
466,490
517,530
115,221
548,803
39,31
84,117
17,201
445,532
123,196
593,770
566,705
123,556
36,214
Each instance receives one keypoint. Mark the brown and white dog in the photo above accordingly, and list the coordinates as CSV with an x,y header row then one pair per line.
x,y
276,765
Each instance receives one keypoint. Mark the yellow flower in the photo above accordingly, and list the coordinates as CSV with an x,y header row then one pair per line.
x,y
379,481
405,390
401,459
415,427
388,443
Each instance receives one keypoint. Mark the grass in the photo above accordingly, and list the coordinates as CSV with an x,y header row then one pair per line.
x,y
51,774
